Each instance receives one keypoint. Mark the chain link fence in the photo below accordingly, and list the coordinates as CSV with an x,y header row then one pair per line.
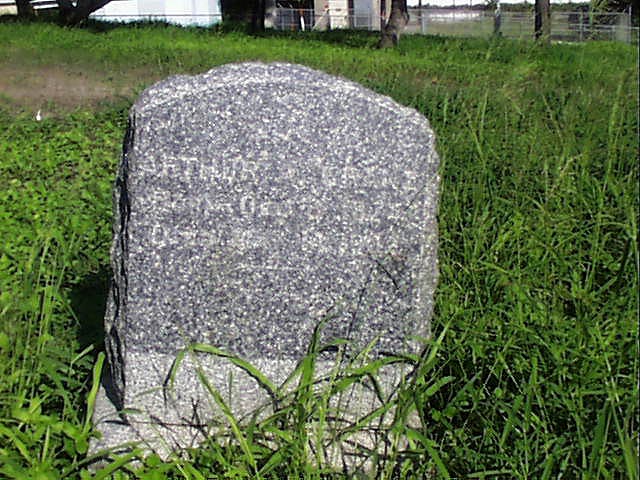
x,y
575,26
295,19
565,26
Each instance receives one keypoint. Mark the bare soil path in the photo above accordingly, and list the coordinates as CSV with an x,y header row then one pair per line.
x,y
60,88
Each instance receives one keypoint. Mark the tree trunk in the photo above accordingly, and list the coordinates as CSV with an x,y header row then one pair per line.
x,y
25,9
258,14
237,10
543,20
397,21
74,15
65,11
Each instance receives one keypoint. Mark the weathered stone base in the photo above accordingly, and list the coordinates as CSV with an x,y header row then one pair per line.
x,y
168,420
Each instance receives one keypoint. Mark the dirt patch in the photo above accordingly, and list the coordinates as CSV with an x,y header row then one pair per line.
x,y
52,88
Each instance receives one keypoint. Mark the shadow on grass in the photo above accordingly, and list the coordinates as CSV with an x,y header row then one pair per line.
x,y
89,302
344,37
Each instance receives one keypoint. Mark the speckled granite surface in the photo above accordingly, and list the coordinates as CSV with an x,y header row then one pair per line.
x,y
251,202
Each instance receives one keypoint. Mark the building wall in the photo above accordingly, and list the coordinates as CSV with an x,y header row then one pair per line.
x,y
180,12
337,14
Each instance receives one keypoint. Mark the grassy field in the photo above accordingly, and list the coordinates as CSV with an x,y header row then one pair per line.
x,y
534,365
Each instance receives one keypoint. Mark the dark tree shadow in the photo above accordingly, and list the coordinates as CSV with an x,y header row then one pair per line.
x,y
89,301
343,37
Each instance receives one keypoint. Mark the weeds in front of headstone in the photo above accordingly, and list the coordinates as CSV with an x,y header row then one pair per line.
x,y
304,430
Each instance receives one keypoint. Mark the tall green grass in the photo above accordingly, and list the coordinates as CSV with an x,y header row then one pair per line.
x,y
535,375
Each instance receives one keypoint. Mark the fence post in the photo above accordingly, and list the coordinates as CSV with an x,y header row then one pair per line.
x,y
581,25
629,25
420,17
497,19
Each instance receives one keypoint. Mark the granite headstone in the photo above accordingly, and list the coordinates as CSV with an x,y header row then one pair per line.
x,y
252,202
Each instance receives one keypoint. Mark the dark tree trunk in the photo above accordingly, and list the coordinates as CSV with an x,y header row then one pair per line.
x,y
237,10
65,11
25,9
543,20
74,15
257,16
397,21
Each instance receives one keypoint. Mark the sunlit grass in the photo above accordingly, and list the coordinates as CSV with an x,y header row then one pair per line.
x,y
535,374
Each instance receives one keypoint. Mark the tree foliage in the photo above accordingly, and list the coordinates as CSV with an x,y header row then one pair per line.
x,y
616,5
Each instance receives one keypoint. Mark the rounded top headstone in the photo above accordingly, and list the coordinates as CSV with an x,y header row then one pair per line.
x,y
253,202
263,198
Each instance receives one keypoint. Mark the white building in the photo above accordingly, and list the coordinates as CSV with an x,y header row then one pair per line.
x,y
337,14
180,12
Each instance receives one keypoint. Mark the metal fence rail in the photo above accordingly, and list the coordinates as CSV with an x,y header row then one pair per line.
x,y
296,19
565,26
